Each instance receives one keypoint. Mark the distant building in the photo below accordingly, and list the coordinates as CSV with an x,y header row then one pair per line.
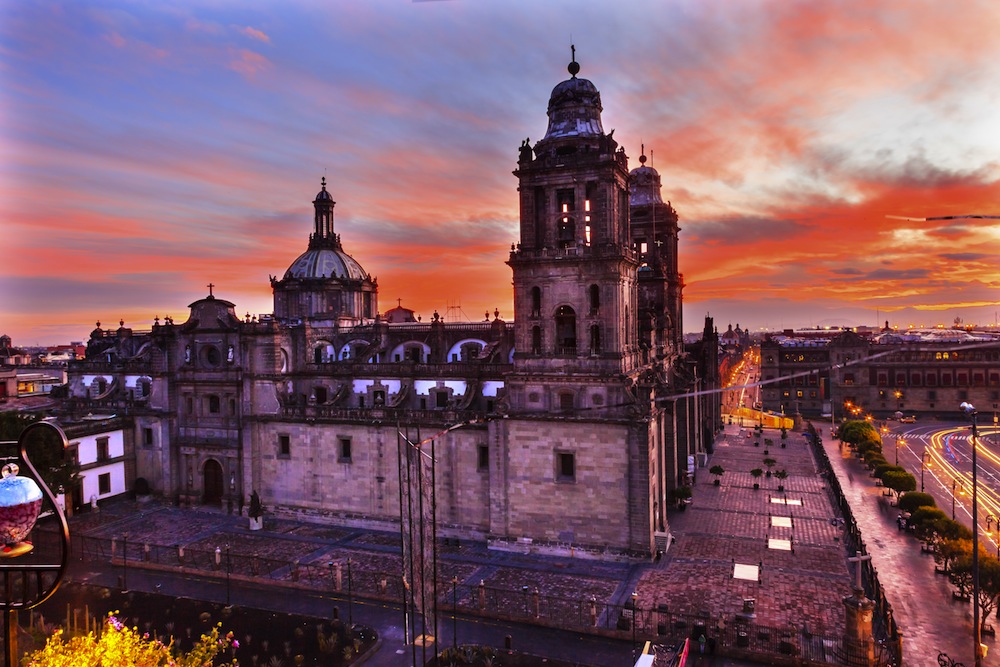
x,y
924,372
13,356
566,428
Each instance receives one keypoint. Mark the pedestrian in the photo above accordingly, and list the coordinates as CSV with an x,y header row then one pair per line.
x,y
850,478
701,644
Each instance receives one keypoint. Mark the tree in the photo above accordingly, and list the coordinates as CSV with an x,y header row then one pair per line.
x,y
756,472
989,585
681,493
874,459
120,646
960,572
899,481
911,501
718,471
948,550
12,423
781,475
881,469
855,432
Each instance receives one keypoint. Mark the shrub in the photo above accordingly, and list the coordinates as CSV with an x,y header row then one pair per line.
x,y
681,493
121,646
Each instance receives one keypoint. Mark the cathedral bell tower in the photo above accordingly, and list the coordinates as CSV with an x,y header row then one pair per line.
x,y
575,268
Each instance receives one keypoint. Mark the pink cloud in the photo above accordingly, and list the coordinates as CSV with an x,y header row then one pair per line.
x,y
249,63
253,33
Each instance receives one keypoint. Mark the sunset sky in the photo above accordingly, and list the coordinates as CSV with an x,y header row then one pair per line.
x,y
150,148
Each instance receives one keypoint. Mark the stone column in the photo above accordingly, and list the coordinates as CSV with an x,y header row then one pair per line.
x,y
859,646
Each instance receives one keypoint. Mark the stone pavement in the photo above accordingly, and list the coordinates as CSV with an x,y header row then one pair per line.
x,y
930,620
733,524
726,525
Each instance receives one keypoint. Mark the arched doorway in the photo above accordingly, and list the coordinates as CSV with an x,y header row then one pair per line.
x,y
213,483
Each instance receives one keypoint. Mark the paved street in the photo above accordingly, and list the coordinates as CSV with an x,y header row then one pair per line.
x,y
922,602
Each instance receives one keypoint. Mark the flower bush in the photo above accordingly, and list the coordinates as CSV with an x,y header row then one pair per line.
x,y
120,646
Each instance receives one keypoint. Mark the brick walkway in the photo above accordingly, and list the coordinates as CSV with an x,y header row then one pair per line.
x,y
733,522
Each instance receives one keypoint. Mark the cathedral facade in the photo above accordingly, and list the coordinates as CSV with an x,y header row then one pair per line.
x,y
566,429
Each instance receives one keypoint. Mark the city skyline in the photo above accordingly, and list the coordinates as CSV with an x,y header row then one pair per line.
x,y
150,150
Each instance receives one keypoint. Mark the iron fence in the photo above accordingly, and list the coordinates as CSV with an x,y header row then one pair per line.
x,y
731,635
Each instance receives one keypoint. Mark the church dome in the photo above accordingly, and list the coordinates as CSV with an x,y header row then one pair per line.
x,y
574,108
317,263
644,185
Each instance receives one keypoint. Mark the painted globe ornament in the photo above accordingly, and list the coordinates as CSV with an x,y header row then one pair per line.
x,y
20,502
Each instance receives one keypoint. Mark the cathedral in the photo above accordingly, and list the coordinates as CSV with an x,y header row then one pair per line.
x,y
566,430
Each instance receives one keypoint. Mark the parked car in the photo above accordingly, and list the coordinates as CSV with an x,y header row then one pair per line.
x,y
908,420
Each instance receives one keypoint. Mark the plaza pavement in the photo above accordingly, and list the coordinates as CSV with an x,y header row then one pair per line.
x,y
725,525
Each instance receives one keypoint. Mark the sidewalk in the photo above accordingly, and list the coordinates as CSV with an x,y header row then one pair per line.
x,y
929,619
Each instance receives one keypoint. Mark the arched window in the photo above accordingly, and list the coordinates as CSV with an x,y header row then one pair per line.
x,y
595,299
565,330
536,301
536,340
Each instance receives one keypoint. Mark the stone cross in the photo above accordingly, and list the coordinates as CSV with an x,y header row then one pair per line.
x,y
210,286
858,558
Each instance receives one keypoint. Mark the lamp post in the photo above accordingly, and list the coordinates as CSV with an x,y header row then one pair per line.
x,y
971,413
954,483
899,443
990,519
924,462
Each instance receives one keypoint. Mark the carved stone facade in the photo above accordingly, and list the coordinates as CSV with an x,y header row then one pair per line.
x,y
565,429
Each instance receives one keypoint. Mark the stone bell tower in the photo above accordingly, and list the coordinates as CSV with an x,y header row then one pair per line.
x,y
575,268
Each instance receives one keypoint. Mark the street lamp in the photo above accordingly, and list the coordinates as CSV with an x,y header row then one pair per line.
x,y
970,412
954,483
990,519
899,443
924,462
